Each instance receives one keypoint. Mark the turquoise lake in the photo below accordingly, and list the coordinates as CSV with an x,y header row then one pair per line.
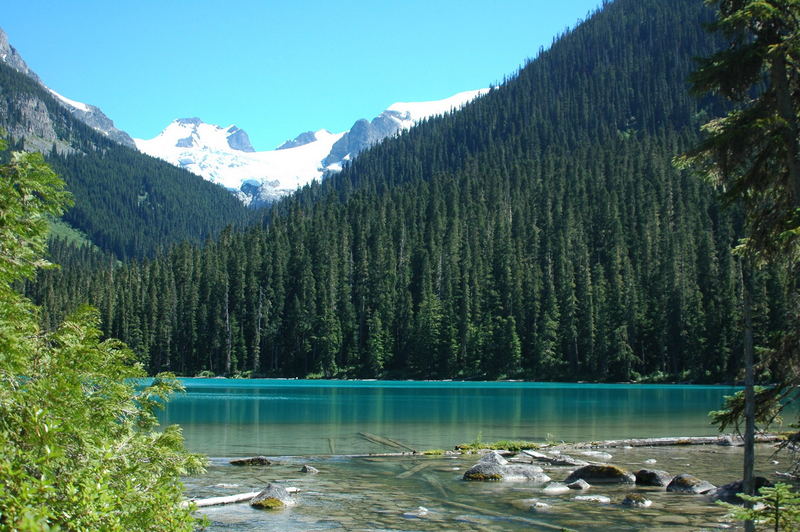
x,y
223,417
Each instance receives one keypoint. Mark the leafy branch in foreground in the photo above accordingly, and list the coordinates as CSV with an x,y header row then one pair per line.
x,y
777,506
79,445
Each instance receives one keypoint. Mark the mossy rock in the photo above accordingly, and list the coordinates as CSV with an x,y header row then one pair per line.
x,y
601,474
273,497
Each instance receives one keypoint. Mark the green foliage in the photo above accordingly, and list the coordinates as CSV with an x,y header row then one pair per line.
x,y
500,445
753,152
767,409
79,445
776,507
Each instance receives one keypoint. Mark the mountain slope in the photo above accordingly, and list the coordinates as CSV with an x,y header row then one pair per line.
x,y
264,176
126,202
541,232
88,114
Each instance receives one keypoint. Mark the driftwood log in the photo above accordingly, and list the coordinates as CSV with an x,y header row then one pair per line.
x,y
685,440
227,499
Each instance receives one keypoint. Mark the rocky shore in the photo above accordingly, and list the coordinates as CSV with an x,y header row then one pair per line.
x,y
665,480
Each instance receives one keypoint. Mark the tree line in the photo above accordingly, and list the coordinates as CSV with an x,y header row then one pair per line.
x,y
542,232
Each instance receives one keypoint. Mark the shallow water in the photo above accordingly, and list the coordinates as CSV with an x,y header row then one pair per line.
x,y
299,421
294,417
377,493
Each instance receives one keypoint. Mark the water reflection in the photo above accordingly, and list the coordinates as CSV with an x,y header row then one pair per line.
x,y
278,417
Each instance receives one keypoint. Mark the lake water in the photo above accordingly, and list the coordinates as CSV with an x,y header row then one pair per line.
x,y
317,422
295,417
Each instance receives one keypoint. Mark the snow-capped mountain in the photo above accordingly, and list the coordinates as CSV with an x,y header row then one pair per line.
x,y
88,114
225,156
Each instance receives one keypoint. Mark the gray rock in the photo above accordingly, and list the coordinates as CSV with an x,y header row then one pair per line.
x,y
636,500
300,140
579,484
601,474
493,457
251,461
273,497
511,473
652,477
730,492
309,469
686,483
238,140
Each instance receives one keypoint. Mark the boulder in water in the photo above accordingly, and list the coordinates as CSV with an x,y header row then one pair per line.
x,y
251,461
511,473
273,497
579,484
686,483
730,492
602,474
652,477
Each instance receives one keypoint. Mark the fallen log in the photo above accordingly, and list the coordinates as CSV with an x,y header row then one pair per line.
x,y
415,469
217,501
673,441
388,442
227,499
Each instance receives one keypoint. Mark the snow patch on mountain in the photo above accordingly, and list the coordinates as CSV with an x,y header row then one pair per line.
x,y
70,103
206,150
224,155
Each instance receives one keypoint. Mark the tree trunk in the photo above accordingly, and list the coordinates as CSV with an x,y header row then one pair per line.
x,y
749,395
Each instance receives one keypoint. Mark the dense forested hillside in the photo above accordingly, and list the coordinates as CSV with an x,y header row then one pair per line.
x,y
127,203
542,232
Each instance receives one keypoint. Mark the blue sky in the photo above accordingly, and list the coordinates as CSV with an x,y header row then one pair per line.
x,y
276,68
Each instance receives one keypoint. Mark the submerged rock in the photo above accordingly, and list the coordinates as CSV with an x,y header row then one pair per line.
x,y
419,513
602,499
273,497
636,500
579,484
309,469
730,492
251,461
531,505
511,472
602,474
686,483
599,455
652,477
